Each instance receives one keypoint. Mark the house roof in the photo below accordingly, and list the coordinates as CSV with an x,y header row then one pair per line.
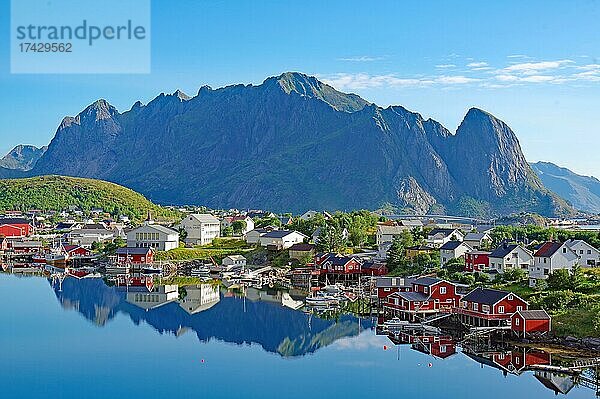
x,y
384,282
572,242
133,251
427,281
339,260
302,247
476,236
503,250
26,244
14,221
421,248
412,296
548,249
445,232
486,296
280,233
534,314
452,245
161,228
205,218
385,229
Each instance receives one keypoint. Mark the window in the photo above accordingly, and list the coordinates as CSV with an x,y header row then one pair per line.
x,y
475,306
589,251
564,250
510,297
442,290
517,321
581,251
500,309
519,308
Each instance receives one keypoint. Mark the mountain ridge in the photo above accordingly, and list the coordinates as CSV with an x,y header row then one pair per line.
x,y
583,192
293,137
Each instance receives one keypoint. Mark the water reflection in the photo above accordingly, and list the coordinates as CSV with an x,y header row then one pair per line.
x,y
258,318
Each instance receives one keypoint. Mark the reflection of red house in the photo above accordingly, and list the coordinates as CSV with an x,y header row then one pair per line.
x,y
3,244
440,346
477,261
482,306
513,361
135,255
428,295
76,251
15,227
530,321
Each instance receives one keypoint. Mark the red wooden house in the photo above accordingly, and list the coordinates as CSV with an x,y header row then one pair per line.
x,y
477,261
428,296
76,251
15,227
488,307
526,322
135,255
389,285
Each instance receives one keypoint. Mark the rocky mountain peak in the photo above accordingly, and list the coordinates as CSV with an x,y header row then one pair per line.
x,y
98,110
310,87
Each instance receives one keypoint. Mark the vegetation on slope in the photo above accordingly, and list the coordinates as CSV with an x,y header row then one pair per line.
x,y
59,193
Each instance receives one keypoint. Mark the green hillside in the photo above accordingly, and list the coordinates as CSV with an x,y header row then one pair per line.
x,y
60,192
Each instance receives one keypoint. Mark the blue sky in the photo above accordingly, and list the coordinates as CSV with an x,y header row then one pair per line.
x,y
534,64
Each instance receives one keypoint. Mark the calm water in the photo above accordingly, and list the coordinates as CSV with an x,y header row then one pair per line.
x,y
85,339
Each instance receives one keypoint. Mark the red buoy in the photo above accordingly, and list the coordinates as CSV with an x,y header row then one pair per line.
x,y
384,347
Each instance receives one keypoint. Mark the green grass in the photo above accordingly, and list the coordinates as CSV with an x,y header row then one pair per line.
x,y
574,322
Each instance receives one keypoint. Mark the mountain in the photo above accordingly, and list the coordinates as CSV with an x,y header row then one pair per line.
x,y
294,143
583,192
58,193
22,157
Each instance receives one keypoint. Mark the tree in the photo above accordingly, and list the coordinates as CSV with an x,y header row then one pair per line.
x,y
455,265
559,280
182,234
239,226
331,238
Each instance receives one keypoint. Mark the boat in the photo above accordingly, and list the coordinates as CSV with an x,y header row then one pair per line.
x,y
322,300
151,269
56,257
395,322
113,268
38,258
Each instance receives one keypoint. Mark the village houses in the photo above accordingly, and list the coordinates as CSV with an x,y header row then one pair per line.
x,y
509,256
439,236
150,235
200,228
453,250
229,220
478,240
588,255
551,256
281,239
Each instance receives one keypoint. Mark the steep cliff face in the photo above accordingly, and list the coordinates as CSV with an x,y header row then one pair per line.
x,y
295,143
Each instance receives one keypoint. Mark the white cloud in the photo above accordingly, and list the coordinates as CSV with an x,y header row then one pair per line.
x,y
362,58
367,81
534,67
478,74
477,64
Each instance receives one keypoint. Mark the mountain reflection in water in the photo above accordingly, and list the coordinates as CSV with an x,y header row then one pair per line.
x,y
258,319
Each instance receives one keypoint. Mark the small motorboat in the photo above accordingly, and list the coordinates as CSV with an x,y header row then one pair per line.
x,y
56,257
322,300
38,258
395,322
151,269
